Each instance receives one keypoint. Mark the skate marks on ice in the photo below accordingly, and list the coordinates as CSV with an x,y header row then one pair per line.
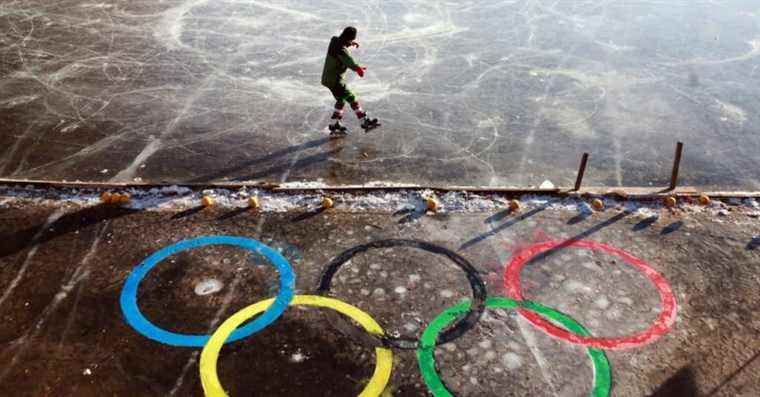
x,y
508,91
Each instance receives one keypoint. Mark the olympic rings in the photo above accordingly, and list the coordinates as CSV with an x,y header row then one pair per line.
x,y
460,327
210,354
662,324
463,316
426,358
135,318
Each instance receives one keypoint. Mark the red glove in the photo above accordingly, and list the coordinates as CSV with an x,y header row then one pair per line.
x,y
360,71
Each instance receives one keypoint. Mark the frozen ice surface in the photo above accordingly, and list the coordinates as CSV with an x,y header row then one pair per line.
x,y
470,92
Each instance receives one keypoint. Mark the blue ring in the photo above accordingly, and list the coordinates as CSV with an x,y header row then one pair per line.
x,y
142,325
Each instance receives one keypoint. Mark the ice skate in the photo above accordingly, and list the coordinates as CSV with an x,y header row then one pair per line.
x,y
337,130
369,124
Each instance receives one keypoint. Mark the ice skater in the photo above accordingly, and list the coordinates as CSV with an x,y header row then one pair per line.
x,y
337,62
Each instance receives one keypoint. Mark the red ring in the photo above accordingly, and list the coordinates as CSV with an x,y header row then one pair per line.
x,y
661,326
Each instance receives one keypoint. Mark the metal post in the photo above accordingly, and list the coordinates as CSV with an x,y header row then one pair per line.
x,y
676,166
581,171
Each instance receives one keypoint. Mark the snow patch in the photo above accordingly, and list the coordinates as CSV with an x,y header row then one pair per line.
x,y
512,361
179,198
208,287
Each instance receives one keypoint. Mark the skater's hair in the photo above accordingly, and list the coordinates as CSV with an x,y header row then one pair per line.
x,y
348,35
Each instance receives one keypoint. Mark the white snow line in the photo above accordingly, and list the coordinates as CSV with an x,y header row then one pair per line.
x,y
70,320
212,327
151,148
193,359
128,173
527,332
79,274
50,220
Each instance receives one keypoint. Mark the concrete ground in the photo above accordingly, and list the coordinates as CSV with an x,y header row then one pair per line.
x,y
63,266
470,93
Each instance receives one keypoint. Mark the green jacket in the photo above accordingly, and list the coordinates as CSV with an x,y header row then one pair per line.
x,y
338,60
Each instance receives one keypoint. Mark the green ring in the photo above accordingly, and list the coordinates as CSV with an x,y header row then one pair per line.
x,y
426,358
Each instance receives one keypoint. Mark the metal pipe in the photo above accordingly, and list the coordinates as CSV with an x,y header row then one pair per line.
x,y
676,166
581,172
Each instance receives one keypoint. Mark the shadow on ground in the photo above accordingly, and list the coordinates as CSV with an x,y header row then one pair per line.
x,y
680,384
18,241
276,169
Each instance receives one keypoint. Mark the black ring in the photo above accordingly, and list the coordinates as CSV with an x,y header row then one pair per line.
x,y
461,326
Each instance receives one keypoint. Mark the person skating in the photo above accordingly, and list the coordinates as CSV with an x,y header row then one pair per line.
x,y
337,62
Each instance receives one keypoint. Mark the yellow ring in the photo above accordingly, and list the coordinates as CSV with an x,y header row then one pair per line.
x,y
210,354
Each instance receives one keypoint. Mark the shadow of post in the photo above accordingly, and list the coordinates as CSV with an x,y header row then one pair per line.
x,y
581,236
233,213
501,227
308,214
671,228
409,215
188,212
582,216
645,223
680,384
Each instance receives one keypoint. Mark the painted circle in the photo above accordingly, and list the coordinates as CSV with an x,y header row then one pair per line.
x,y
476,284
426,356
661,325
210,354
137,320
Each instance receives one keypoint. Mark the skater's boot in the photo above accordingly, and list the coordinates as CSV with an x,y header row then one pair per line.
x,y
369,123
337,129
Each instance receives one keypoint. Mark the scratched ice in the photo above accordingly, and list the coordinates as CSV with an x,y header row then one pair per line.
x,y
486,92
